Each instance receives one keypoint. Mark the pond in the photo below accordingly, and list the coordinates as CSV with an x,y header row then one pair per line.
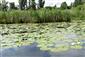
x,y
42,40
33,51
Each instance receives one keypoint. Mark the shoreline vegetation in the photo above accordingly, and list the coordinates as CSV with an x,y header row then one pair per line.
x,y
74,12
43,15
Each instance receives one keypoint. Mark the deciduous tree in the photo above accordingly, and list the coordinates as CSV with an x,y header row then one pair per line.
x,y
64,5
41,3
22,4
77,2
33,6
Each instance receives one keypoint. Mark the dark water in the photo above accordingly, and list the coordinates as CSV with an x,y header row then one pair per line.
x,y
33,51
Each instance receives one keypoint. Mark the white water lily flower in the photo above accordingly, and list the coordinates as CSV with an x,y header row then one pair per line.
x,y
73,43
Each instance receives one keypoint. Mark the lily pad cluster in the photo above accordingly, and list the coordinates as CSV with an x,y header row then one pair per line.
x,y
48,36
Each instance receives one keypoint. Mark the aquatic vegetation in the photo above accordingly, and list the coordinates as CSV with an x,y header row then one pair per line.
x,y
54,37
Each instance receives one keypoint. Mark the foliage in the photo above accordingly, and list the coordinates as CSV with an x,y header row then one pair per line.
x,y
64,5
33,5
12,5
78,12
22,4
4,5
43,15
77,2
40,16
0,6
41,3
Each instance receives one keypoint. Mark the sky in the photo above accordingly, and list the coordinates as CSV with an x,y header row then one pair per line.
x,y
48,2
57,2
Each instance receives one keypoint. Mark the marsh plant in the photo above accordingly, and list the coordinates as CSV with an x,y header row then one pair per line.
x,y
41,15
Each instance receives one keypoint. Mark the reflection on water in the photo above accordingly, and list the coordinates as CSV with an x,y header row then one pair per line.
x,y
25,51
33,51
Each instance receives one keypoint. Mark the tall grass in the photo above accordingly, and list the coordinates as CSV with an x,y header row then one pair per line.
x,y
42,15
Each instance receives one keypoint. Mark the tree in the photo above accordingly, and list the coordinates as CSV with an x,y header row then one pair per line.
x,y
12,5
41,3
33,6
22,4
0,6
77,2
25,4
4,5
29,3
64,5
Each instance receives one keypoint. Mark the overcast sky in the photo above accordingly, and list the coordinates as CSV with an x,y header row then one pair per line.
x,y
48,2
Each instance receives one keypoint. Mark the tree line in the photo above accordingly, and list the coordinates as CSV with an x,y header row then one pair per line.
x,y
32,5
22,4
